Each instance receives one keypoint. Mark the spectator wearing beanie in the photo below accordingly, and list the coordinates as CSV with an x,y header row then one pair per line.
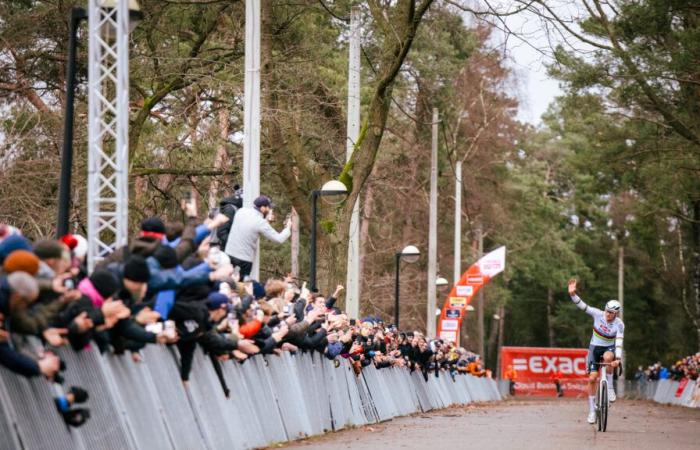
x,y
21,261
195,324
55,258
152,235
18,286
12,243
94,310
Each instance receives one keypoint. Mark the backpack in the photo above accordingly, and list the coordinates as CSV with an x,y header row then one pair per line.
x,y
228,206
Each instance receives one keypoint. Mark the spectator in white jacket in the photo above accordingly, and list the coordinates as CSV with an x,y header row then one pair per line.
x,y
248,224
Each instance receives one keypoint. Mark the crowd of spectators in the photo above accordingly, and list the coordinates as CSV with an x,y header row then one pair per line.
x,y
174,284
688,367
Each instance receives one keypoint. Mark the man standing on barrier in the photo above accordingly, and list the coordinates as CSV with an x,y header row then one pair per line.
x,y
248,224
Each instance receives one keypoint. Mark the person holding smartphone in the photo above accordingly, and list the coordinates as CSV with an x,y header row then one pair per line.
x,y
248,224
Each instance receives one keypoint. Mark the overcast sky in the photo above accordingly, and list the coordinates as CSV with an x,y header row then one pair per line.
x,y
527,52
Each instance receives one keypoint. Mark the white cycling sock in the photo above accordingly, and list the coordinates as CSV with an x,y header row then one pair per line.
x,y
591,402
609,377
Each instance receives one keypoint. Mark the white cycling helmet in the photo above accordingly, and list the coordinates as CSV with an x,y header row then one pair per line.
x,y
613,306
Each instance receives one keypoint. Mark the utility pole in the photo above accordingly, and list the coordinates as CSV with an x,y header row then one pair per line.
x,y
621,299
432,233
251,114
458,224
352,291
480,295
295,243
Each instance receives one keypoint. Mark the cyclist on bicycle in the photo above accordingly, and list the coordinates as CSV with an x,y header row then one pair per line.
x,y
606,344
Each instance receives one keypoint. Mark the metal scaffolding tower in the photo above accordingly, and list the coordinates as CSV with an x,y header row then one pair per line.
x,y
108,127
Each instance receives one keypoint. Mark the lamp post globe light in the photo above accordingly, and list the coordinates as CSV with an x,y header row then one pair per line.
x,y
333,188
409,254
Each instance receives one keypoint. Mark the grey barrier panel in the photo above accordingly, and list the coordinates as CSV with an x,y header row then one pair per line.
x,y
255,381
339,398
351,384
661,390
206,394
368,406
8,418
245,409
140,401
36,420
321,365
461,390
180,419
407,400
419,388
687,393
378,393
474,390
107,427
286,387
313,390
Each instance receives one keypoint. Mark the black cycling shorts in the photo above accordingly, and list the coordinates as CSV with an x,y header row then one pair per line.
x,y
595,355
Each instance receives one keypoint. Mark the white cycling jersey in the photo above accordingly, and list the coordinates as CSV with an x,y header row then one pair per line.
x,y
605,334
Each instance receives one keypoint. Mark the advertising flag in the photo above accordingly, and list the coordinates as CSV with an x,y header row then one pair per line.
x,y
464,290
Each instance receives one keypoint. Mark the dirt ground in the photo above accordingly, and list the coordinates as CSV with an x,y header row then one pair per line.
x,y
525,424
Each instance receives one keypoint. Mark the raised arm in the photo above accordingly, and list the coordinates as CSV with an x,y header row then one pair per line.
x,y
580,304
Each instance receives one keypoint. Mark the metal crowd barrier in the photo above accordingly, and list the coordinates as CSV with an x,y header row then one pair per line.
x,y
137,405
665,391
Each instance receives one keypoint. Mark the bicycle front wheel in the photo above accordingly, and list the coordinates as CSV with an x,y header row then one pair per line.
x,y
603,425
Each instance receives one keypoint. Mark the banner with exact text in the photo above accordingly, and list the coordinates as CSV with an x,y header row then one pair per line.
x,y
537,368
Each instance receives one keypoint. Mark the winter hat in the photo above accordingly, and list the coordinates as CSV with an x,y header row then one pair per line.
x,y
263,200
81,249
70,241
136,269
216,300
49,249
153,225
12,243
166,256
23,284
258,290
334,349
7,231
104,282
21,261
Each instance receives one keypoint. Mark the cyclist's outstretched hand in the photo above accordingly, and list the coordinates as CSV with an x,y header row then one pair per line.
x,y
615,363
572,286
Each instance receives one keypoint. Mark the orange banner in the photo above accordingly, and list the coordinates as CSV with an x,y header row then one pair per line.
x,y
537,368
464,290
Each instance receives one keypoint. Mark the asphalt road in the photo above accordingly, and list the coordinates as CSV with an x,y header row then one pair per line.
x,y
525,424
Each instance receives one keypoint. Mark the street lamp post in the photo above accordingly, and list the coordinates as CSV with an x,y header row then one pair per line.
x,y
331,188
76,15
409,254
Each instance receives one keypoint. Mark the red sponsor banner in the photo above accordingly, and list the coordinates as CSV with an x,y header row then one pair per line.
x,y
464,290
538,367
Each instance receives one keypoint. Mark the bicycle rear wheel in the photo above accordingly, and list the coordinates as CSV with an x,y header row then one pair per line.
x,y
603,407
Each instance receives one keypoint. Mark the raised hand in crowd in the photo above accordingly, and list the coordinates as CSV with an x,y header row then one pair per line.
x,y
147,316
55,336
248,346
223,273
572,286
49,365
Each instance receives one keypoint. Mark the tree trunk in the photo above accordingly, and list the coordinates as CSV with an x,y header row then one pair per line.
x,y
367,210
550,316
695,261
220,158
